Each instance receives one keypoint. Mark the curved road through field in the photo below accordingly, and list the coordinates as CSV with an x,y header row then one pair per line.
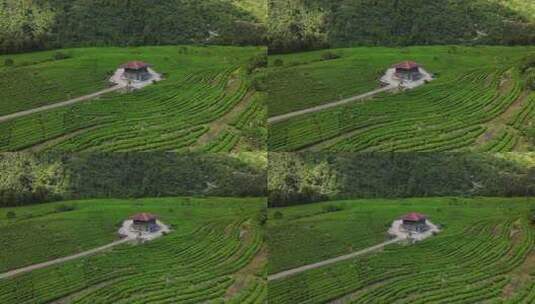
x,y
58,105
322,107
297,270
15,272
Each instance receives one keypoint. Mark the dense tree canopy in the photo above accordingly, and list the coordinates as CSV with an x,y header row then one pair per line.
x,y
41,24
307,177
28,178
296,25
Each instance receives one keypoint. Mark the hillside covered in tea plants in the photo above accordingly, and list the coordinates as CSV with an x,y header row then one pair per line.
x,y
214,252
483,253
206,101
481,99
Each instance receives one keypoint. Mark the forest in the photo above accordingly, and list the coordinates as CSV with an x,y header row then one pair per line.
x,y
298,25
299,178
45,24
38,178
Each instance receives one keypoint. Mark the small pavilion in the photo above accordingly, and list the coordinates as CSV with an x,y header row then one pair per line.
x,y
415,222
145,222
408,70
136,71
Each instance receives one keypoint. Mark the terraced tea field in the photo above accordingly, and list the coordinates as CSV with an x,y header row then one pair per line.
x,y
215,253
203,86
484,253
479,101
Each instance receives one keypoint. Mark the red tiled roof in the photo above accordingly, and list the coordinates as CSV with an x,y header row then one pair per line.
x,y
414,217
135,65
407,65
143,217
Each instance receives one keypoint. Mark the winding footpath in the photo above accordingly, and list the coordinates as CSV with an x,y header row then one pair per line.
x,y
15,272
322,107
59,104
291,272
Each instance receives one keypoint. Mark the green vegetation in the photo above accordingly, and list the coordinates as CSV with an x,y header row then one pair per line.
x,y
257,7
297,178
30,25
483,253
297,25
214,253
201,86
481,100
29,179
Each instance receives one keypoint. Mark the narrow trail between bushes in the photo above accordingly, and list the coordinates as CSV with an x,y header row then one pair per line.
x,y
219,125
322,107
30,268
58,104
291,272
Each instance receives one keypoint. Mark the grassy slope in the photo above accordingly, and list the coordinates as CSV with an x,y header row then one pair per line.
x,y
89,69
304,81
191,73
313,235
39,234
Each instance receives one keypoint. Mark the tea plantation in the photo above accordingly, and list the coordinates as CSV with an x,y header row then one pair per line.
x,y
214,253
480,100
202,86
484,252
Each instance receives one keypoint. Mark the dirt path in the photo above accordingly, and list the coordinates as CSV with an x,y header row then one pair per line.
x,y
57,105
287,116
325,144
297,270
329,142
217,126
348,298
15,272
71,297
54,141
500,122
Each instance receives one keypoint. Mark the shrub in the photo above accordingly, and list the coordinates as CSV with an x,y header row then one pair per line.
x,y
257,62
61,56
9,62
64,208
262,217
278,62
329,55
332,208
278,215
530,134
11,215
259,83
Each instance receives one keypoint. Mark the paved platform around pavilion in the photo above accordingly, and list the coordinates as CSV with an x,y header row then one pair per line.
x,y
119,79
391,79
397,230
128,231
